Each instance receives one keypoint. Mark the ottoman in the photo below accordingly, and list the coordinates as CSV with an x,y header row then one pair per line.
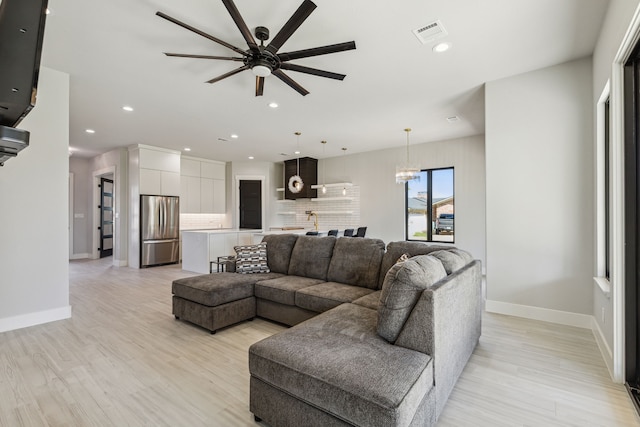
x,y
216,303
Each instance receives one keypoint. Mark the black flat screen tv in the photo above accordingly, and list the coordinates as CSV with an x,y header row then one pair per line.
x,y
21,36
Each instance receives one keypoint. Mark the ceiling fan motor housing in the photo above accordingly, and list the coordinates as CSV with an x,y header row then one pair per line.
x,y
262,33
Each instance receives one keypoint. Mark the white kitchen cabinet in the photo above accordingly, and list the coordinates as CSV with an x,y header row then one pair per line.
x,y
209,196
212,170
200,247
206,195
219,196
169,183
150,182
189,167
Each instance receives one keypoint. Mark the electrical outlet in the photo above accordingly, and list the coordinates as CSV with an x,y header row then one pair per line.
x,y
603,315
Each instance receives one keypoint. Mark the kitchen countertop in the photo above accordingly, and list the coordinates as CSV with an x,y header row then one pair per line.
x,y
222,231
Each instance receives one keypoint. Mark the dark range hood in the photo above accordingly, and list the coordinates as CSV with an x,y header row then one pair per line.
x,y
308,173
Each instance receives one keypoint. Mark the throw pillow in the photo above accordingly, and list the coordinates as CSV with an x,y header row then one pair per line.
x,y
403,286
252,258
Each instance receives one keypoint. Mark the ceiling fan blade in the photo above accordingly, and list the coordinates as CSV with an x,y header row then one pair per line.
x,y
288,80
298,17
259,85
242,26
201,33
187,55
229,74
316,51
314,71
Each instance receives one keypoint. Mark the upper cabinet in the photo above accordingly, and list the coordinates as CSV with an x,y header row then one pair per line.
x,y
155,170
202,186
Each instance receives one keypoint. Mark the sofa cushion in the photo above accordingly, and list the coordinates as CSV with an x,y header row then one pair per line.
x,y
311,256
326,295
371,301
396,249
450,260
402,288
283,289
356,262
217,288
337,362
251,258
279,248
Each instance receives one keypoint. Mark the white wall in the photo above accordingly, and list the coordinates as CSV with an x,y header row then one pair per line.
x,y
382,200
115,162
34,248
82,207
540,193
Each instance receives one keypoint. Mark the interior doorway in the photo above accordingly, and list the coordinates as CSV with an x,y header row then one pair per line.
x,y
250,209
106,217
632,225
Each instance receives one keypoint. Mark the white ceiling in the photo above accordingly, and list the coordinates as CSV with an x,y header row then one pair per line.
x,y
113,53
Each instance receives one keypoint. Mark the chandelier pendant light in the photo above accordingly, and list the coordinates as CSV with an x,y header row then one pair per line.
x,y
295,182
344,165
324,167
407,172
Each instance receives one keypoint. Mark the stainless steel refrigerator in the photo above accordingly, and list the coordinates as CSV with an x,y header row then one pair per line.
x,y
159,230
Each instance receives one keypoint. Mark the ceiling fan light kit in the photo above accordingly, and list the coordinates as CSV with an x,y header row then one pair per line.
x,y
262,60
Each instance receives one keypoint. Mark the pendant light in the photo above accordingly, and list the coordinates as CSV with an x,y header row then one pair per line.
x,y
344,165
407,172
295,182
324,167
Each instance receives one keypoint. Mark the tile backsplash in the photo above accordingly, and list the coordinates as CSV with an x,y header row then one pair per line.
x,y
336,212
202,221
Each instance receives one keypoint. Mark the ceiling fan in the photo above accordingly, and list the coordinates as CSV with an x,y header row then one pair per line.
x,y
265,60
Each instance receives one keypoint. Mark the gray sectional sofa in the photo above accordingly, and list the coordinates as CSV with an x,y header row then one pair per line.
x,y
380,338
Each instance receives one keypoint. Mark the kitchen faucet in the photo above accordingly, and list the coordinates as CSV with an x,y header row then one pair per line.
x,y
315,222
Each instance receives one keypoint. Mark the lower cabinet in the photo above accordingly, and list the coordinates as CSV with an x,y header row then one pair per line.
x,y
199,248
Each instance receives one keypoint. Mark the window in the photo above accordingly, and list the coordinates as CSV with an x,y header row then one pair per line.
x,y
429,206
607,195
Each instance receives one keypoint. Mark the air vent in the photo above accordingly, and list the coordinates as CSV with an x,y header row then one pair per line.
x,y
430,32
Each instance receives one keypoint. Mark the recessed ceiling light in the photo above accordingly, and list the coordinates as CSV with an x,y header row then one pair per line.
x,y
273,104
127,108
453,119
250,157
187,149
90,131
296,152
234,136
442,47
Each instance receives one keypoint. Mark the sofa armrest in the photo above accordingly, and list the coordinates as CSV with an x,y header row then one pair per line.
x,y
446,324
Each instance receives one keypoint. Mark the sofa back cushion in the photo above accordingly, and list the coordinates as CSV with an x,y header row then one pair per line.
x,y
279,248
452,259
403,285
311,256
356,262
396,249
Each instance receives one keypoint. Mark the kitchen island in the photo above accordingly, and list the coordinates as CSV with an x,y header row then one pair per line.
x,y
200,247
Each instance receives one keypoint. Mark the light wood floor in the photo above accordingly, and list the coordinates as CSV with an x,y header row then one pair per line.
x,y
122,360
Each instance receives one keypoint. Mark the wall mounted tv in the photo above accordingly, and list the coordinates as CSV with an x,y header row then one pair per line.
x,y
21,36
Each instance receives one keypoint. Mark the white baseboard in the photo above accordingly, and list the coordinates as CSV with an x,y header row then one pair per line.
x,y
79,256
605,350
32,319
538,313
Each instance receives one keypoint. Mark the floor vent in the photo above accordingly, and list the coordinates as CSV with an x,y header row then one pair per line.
x,y
430,32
